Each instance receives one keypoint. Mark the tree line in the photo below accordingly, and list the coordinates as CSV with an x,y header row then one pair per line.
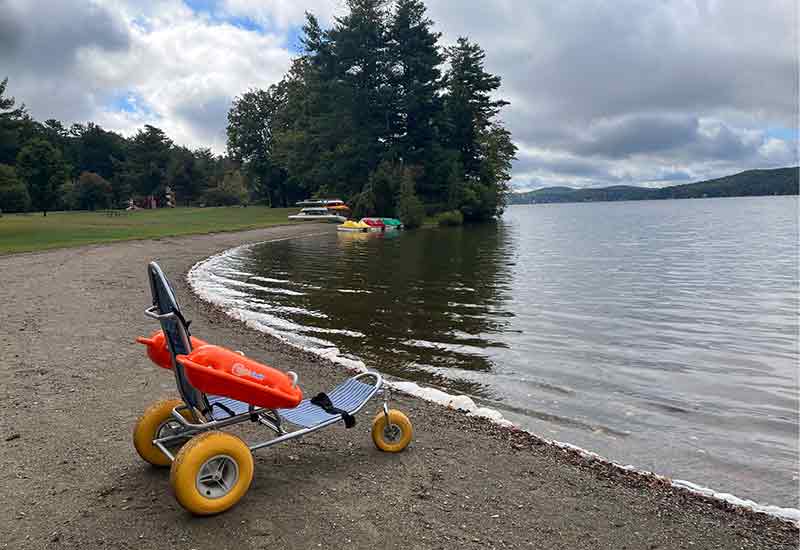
x,y
374,110
751,183
45,166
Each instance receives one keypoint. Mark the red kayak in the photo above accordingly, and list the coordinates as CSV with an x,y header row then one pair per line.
x,y
376,223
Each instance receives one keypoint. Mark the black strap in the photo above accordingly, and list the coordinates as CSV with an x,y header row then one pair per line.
x,y
223,407
324,402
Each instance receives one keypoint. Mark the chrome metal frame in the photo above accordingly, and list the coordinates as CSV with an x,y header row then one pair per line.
x,y
263,418
266,417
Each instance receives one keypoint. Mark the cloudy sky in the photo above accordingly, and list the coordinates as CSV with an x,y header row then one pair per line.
x,y
602,92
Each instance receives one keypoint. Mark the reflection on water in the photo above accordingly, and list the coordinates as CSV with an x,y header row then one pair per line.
x,y
394,300
662,334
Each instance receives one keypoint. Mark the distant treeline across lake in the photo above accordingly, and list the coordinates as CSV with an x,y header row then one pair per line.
x,y
752,183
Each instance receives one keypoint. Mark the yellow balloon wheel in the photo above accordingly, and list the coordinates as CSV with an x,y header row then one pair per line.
x,y
392,436
156,421
211,473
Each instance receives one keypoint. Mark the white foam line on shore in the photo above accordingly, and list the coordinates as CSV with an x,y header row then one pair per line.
x,y
202,269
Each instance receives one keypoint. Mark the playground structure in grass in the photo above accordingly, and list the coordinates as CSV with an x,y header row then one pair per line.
x,y
211,470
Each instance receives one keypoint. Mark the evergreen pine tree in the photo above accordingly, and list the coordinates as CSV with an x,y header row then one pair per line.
x,y
416,81
11,119
468,103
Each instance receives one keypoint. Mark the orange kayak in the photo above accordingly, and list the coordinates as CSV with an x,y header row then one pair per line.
x,y
219,371
157,349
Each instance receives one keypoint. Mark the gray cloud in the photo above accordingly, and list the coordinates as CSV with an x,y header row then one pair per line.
x,y
577,167
639,83
207,118
42,53
634,134
726,144
602,91
50,35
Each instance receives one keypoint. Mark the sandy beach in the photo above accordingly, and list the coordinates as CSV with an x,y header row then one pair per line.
x,y
74,383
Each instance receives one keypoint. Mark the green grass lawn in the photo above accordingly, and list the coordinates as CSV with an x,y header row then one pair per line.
x,y
27,232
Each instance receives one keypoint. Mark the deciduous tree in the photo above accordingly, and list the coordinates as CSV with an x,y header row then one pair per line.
x,y
13,193
251,121
43,170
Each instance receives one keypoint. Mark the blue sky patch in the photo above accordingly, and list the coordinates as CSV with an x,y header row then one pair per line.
x,y
129,102
244,23
209,7
201,5
786,134
293,36
124,102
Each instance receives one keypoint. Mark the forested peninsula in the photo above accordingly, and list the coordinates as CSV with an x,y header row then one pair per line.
x,y
374,110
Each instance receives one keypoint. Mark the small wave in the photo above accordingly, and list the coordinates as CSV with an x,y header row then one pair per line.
x,y
284,282
269,279
243,284
231,271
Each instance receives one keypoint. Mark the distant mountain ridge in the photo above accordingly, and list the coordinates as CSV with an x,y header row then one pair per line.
x,y
750,183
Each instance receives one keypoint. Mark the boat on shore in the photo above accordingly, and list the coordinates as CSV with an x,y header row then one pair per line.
x,y
392,224
371,225
351,226
375,224
317,214
327,203
383,224
342,209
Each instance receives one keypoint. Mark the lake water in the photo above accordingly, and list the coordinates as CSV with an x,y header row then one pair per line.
x,y
661,334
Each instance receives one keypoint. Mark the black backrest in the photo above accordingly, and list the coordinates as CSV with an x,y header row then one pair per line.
x,y
176,329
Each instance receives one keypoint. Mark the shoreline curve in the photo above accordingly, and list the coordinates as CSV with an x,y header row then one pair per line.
x,y
467,404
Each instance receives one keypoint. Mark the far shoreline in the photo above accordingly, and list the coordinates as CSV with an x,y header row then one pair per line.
x,y
795,196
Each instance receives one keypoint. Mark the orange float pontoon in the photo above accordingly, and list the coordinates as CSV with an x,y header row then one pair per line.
x,y
157,349
220,371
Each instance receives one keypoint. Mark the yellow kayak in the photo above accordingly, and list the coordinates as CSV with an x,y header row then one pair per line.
x,y
353,227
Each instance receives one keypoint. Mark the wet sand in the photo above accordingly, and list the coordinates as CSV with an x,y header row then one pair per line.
x,y
74,383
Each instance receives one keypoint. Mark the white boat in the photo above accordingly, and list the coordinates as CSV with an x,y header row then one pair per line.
x,y
321,202
317,214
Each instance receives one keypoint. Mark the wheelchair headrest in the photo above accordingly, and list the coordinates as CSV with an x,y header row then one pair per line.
x,y
163,294
166,302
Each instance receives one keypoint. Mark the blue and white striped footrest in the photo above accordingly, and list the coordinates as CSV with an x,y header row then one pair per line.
x,y
348,397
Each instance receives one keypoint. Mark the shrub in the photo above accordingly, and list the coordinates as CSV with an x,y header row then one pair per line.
x,y
13,193
450,218
229,192
410,209
433,208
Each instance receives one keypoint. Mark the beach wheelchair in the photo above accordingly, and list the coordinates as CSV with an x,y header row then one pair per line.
x,y
211,470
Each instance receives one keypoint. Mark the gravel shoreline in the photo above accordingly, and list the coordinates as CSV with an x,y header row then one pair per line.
x,y
74,384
